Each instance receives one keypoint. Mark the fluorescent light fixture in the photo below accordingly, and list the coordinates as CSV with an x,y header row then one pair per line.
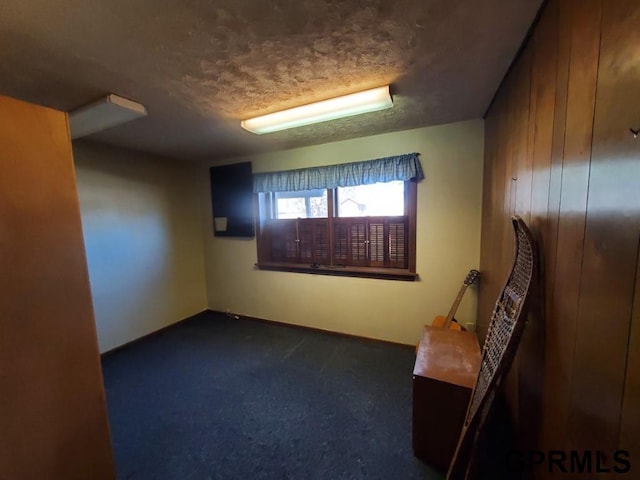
x,y
339,107
105,113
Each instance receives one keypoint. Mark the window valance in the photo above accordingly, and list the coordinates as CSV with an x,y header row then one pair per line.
x,y
400,167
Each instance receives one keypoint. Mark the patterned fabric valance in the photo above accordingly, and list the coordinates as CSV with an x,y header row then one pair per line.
x,y
401,167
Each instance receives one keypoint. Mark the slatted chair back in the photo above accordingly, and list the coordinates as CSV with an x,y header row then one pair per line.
x,y
505,331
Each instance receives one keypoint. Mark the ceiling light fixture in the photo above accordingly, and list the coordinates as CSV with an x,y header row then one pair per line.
x,y
339,107
107,112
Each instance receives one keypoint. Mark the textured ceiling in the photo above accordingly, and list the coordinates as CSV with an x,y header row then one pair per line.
x,y
202,66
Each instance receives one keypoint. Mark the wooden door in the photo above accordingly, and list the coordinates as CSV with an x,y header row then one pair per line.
x,y
53,420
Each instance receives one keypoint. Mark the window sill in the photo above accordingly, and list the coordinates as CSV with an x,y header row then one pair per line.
x,y
338,270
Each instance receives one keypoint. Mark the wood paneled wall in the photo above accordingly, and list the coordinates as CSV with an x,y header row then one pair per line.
x,y
559,152
53,422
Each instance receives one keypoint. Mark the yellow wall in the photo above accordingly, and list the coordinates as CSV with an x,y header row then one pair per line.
x,y
448,243
141,218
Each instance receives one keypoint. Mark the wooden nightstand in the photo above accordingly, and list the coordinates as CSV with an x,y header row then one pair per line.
x,y
447,364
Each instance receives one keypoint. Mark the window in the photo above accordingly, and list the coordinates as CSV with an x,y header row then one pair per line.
x,y
304,204
365,229
378,199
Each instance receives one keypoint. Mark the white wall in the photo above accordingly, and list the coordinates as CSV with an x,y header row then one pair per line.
x,y
142,225
448,243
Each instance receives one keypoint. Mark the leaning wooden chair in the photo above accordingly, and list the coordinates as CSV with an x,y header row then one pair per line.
x,y
505,331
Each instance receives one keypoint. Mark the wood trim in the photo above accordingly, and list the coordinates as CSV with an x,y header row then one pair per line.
x,y
331,213
339,270
131,343
314,329
412,208
259,221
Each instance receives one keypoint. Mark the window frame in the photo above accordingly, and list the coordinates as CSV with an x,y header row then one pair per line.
x,y
265,227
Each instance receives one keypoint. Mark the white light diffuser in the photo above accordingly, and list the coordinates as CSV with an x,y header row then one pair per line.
x,y
105,113
339,107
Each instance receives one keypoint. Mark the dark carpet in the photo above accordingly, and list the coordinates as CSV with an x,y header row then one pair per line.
x,y
218,398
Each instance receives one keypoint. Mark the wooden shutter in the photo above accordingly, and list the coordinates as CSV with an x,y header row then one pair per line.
x,y
357,243
349,241
340,242
372,241
283,241
397,237
305,237
376,241
304,240
321,242
313,234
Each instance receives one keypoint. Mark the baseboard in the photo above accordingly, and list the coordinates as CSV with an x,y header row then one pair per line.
x,y
315,329
149,335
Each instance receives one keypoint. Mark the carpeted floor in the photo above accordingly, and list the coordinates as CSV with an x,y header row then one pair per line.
x,y
219,398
